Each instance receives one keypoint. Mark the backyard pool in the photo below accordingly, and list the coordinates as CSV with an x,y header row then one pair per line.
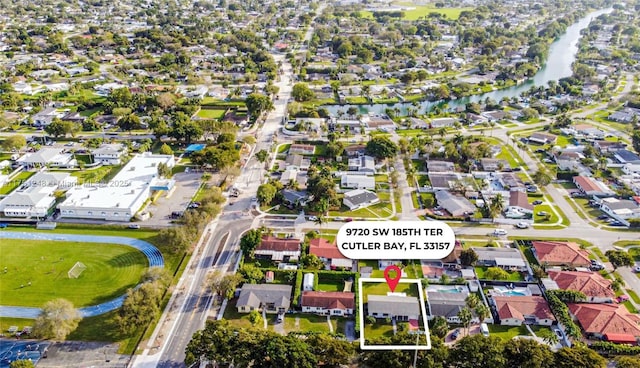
x,y
504,291
445,289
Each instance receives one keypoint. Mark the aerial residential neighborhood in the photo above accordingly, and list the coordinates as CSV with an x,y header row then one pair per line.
x,y
174,176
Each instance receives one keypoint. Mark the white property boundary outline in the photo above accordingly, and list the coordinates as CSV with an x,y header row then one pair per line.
x,y
423,310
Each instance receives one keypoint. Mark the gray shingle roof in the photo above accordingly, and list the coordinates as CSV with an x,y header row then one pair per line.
x,y
393,305
253,295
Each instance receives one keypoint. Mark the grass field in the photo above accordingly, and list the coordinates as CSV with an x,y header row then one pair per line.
x,y
211,113
15,182
381,288
418,11
111,270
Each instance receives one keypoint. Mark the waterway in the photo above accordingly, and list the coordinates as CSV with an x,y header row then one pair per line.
x,y
562,54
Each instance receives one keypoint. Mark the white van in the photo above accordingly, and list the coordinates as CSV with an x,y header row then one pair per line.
x,y
484,329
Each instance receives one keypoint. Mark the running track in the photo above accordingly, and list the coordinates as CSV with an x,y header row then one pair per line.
x,y
151,252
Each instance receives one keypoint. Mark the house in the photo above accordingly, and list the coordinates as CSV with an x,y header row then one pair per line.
x,y
355,150
298,162
440,166
475,119
620,209
627,115
608,146
505,258
35,196
363,164
626,157
443,181
446,303
494,116
631,169
598,320
302,149
272,298
415,123
45,116
134,184
359,198
494,164
542,138
109,154
518,310
378,122
333,303
329,253
357,182
278,249
397,306
442,122
592,284
47,156
556,253
294,198
288,176
457,206
592,187
518,204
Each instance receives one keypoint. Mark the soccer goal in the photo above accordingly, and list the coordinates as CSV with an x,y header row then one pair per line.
x,y
76,270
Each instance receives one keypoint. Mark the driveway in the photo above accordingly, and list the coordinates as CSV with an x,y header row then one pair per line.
x,y
350,330
178,199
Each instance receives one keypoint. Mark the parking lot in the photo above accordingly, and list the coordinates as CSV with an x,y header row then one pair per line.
x,y
187,185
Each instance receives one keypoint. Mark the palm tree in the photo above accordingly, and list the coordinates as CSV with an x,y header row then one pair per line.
x,y
458,139
320,220
465,317
482,311
442,132
496,206
472,301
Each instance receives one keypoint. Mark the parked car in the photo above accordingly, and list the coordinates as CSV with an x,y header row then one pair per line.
x,y
499,232
134,226
455,334
348,219
542,213
603,217
636,269
622,298
313,218
536,202
522,225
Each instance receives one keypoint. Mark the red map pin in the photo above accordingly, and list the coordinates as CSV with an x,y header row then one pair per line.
x,y
392,281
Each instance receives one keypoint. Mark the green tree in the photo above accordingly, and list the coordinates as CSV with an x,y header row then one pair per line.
x,y
262,156
257,104
635,140
542,177
266,193
619,258
478,351
627,362
465,316
526,353
439,327
14,142
129,122
578,356
22,363
140,307
381,147
250,240
224,285
311,261
255,317
59,128
330,351
57,320
251,274
165,149
482,311
468,257
496,273
301,92
178,239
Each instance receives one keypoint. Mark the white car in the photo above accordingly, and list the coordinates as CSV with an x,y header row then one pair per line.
x,y
499,232
522,225
313,218
636,269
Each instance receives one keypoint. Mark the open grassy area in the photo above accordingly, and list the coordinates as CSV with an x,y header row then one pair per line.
x,y
507,332
551,218
308,322
415,12
381,288
237,319
101,174
379,329
36,271
211,113
15,182
513,276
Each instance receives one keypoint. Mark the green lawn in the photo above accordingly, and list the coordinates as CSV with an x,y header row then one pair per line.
x,y
381,288
356,100
633,295
111,270
308,322
379,329
513,276
15,182
419,11
507,332
237,319
211,113
552,218
94,176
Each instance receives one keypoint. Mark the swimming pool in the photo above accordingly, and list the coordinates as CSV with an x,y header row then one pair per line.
x,y
445,289
519,291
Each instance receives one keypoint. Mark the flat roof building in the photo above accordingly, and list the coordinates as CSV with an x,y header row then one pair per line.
x,y
122,197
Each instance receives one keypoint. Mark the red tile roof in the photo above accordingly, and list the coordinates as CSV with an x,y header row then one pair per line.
x,y
324,249
586,184
277,244
606,319
620,338
555,252
520,306
328,299
589,283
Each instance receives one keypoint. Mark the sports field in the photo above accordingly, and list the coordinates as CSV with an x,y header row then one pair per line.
x,y
33,272
418,11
